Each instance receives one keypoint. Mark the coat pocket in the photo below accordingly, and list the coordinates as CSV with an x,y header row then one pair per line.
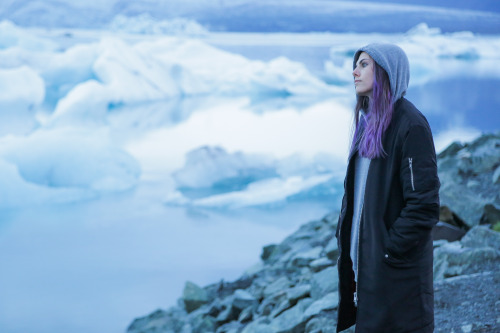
x,y
397,262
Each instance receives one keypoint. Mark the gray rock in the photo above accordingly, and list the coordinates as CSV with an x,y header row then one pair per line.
x,y
324,323
451,150
279,285
258,326
224,289
448,216
332,249
202,324
480,156
473,163
159,321
227,315
439,242
246,315
481,236
299,292
243,299
255,269
466,203
292,320
267,251
446,231
303,258
496,176
268,305
309,235
453,259
320,264
328,302
280,308
351,329
193,296
491,215
185,329
324,282
232,327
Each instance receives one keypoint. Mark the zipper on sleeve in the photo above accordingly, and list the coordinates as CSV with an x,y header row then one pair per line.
x,y
410,161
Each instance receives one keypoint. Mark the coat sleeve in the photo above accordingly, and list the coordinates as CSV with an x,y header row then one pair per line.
x,y
420,188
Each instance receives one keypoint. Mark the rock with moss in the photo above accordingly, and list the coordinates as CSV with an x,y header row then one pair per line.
x,y
467,175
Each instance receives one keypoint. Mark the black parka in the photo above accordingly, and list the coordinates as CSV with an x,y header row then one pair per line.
x,y
401,206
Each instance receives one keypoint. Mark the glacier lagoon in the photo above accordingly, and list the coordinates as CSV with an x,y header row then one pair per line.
x,y
133,163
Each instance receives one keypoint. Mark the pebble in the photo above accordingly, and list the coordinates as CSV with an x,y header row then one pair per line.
x,y
467,328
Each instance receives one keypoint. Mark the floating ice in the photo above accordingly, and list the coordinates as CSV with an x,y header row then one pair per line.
x,y
69,158
15,191
13,36
214,178
214,167
167,68
146,24
88,79
267,193
22,91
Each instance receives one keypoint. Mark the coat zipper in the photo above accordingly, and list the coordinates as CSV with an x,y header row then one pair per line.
x,y
357,255
410,161
338,260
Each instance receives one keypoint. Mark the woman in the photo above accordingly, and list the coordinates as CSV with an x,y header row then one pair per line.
x,y
390,204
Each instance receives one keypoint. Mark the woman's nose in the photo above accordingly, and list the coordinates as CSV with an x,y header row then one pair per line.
x,y
355,72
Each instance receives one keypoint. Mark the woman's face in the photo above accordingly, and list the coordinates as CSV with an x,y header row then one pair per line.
x,y
363,75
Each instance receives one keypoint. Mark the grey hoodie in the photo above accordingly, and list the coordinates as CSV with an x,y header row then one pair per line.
x,y
395,62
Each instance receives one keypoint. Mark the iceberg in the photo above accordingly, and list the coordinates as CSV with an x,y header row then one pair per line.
x,y
22,93
148,25
264,193
214,178
214,167
16,192
70,158
13,36
114,71
87,79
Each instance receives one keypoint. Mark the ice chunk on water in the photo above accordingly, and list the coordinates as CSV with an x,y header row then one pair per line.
x,y
71,158
267,192
146,24
214,167
16,192
167,68
22,90
215,178
13,36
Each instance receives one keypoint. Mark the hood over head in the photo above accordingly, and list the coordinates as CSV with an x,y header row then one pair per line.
x,y
394,61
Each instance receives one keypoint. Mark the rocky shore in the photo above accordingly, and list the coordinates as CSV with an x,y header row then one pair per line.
x,y
294,288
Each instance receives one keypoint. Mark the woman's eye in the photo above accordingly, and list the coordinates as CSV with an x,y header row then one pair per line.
x,y
364,64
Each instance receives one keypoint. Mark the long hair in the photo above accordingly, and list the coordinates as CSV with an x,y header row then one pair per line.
x,y
378,114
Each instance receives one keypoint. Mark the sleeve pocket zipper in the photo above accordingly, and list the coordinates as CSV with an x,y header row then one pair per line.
x,y
410,161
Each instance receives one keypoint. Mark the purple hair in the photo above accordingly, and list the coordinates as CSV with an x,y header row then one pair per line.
x,y
378,112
